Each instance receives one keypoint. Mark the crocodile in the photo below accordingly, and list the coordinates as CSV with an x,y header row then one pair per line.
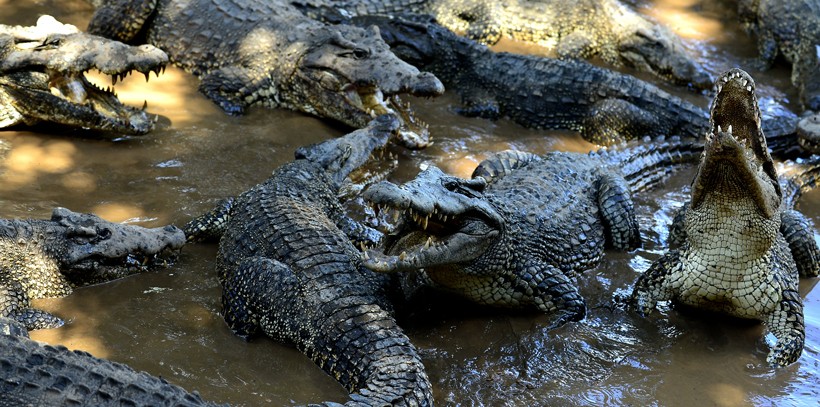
x,y
42,78
36,374
790,28
585,29
743,245
267,53
289,269
517,232
49,258
605,106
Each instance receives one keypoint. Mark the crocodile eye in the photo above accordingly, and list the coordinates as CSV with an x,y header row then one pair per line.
x,y
357,53
104,234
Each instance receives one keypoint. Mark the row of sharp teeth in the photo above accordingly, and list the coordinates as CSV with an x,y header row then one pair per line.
x,y
121,76
381,152
403,255
726,79
420,219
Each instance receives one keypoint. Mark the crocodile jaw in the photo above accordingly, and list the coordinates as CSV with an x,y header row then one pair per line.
x,y
444,220
420,248
735,153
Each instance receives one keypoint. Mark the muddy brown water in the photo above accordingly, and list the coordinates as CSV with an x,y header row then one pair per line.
x,y
167,322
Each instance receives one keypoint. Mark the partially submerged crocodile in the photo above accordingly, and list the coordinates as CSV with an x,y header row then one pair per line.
x,y
288,269
581,29
744,246
49,258
256,52
35,374
605,106
42,78
518,232
790,28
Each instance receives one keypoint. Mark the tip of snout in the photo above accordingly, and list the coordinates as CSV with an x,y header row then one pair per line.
x,y
426,84
176,237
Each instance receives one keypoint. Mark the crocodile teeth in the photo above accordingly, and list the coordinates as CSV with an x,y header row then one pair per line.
x,y
424,222
396,215
729,130
428,242
745,82
749,88
719,129
403,255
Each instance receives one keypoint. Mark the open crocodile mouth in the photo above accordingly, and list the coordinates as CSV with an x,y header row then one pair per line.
x,y
419,237
370,100
93,100
71,99
735,150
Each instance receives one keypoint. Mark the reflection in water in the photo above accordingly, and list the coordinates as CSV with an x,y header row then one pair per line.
x,y
168,323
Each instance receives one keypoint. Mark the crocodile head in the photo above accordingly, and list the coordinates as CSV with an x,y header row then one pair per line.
x,y
736,162
442,220
654,48
42,78
354,77
343,158
91,250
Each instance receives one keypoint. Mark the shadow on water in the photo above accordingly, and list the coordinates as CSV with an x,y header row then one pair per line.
x,y
167,322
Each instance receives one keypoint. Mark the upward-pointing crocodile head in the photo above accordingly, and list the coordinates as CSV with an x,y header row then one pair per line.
x,y
351,75
444,220
91,250
736,161
42,78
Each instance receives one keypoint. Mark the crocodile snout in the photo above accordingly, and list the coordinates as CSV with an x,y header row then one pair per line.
x,y
424,84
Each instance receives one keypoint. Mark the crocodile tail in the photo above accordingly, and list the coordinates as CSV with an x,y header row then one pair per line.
x,y
647,164
502,163
798,177
38,374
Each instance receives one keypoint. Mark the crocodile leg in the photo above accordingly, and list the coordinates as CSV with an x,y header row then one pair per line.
x,y
234,88
786,324
653,286
618,212
613,121
241,304
677,230
14,304
799,233
210,226
552,292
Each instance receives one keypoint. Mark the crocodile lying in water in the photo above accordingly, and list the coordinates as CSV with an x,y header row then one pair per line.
x,y
790,28
49,258
524,225
42,78
583,29
256,52
288,269
605,106
34,374
743,245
